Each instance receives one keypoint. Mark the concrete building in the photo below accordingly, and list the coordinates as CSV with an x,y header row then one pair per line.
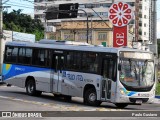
x,y
75,29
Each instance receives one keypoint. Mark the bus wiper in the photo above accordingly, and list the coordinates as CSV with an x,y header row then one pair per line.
x,y
144,68
142,71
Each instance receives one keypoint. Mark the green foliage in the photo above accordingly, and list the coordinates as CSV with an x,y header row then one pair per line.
x,y
20,22
158,89
158,42
158,84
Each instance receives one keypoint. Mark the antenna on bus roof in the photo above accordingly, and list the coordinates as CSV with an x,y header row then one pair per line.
x,y
62,42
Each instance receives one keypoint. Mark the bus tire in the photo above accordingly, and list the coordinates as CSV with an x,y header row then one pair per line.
x,y
90,97
121,105
31,88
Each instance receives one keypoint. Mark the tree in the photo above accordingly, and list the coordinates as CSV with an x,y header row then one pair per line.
x,y
20,22
158,43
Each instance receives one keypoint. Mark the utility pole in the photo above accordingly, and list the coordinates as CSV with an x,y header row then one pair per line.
x,y
153,24
1,33
154,12
1,36
91,30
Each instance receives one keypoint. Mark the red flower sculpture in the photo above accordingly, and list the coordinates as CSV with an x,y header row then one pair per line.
x,y
120,14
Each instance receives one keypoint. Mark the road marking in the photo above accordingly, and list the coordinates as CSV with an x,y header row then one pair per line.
x,y
58,107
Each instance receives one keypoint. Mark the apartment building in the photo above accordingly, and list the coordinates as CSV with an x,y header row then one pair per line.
x,y
100,31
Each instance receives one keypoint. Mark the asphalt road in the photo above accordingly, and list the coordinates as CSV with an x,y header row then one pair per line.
x,y
16,99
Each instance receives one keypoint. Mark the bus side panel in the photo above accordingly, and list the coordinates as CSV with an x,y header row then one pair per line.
x,y
10,76
17,75
113,91
76,82
42,79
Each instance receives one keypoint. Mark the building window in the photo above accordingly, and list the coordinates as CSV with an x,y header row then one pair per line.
x,y
144,33
83,36
68,37
102,36
145,25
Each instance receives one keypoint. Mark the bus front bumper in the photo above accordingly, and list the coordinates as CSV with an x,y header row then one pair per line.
x,y
135,100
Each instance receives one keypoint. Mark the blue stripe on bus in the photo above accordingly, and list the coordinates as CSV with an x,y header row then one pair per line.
x,y
129,93
10,70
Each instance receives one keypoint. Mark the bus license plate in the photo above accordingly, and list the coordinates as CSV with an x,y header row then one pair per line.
x,y
139,101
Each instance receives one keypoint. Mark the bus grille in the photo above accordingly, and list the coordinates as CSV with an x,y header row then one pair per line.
x,y
133,100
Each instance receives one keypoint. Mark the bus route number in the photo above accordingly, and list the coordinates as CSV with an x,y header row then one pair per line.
x,y
75,77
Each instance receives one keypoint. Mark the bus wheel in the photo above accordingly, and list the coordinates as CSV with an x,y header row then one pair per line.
x,y
31,87
90,97
121,105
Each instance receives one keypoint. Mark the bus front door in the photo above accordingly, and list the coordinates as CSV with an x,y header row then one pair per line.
x,y
107,71
56,75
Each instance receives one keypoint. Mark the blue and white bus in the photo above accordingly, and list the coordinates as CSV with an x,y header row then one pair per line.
x,y
122,76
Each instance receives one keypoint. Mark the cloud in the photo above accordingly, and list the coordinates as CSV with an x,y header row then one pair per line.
x,y
158,29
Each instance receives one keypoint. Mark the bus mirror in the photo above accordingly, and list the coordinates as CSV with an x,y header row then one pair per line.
x,y
119,67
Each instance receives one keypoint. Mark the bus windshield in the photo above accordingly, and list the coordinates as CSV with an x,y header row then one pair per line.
x,y
136,73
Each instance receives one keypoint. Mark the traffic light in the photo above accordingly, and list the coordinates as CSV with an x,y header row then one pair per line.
x,y
69,10
52,13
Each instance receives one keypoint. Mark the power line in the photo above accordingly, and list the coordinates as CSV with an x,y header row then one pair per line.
x,y
27,5
19,6
5,1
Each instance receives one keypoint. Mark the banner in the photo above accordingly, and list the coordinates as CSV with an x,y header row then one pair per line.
x,y
119,36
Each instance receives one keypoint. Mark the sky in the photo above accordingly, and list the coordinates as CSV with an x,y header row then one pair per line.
x,y
27,7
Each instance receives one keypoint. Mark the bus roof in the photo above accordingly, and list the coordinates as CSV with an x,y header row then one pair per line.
x,y
86,47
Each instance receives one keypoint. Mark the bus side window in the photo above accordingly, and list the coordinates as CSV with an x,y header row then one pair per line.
x,y
90,62
40,57
11,54
74,60
28,56
25,55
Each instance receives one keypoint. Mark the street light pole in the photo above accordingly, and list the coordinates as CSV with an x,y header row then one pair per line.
x,y
87,22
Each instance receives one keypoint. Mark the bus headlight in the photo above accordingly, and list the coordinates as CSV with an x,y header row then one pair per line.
x,y
122,91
